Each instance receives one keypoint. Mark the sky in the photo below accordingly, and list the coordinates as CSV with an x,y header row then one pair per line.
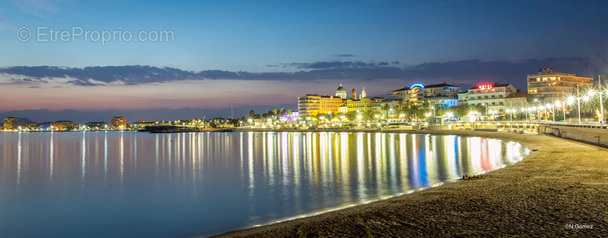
x,y
135,55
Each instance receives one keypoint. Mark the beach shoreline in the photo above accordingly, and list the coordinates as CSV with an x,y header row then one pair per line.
x,y
558,189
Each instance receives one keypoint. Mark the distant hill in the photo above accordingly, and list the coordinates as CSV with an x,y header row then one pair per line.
x,y
166,114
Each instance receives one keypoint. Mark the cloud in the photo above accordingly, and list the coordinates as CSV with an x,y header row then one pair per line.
x,y
463,72
333,64
346,55
37,8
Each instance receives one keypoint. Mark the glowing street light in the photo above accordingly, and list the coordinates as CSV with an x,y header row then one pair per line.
x,y
511,111
523,109
560,104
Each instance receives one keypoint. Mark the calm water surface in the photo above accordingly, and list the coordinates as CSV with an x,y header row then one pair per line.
x,y
113,184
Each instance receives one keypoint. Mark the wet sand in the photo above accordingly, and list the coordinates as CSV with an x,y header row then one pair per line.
x,y
560,189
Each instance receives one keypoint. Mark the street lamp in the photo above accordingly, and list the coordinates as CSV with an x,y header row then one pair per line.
x,y
550,105
599,78
559,104
571,100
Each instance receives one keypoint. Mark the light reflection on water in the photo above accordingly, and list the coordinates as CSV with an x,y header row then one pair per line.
x,y
165,185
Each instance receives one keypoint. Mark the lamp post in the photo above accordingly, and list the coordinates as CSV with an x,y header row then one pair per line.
x,y
486,106
538,115
552,111
599,78
558,104
578,100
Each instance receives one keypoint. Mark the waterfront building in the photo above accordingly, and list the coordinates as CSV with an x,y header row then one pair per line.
x,y
491,96
119,123
442,102
549,86
359,105
311,105
463,98
30,126
517,101
11,123
94,125
63,125
440,95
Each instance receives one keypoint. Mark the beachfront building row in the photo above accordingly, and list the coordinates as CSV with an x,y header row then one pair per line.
x,y
312,104
441,95
13,124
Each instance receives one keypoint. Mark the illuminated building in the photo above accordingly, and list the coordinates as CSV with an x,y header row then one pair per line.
x,y
119,122
516,101
463,98
95,125
353,94
63,125
30,126
440,95
359,105
550,86
491,95
363,93
312,105
11,123
341,92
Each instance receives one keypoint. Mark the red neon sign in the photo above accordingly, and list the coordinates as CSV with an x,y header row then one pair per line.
x,y
485,86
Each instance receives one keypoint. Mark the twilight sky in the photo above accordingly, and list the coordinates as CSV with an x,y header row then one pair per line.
x,y
237,53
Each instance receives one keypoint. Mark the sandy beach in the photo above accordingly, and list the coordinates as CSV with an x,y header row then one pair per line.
x,y
560,189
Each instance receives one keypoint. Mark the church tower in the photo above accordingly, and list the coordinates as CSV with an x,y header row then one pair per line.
x,y
363,93
354,94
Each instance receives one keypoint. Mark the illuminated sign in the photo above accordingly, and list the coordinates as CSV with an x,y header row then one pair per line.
x,y
417,85
485,86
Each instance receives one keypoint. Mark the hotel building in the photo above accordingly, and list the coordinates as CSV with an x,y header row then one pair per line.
x,y
439,95
491,95
311,105
549,86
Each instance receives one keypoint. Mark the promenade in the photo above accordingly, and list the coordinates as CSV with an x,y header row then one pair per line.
x,y
560,189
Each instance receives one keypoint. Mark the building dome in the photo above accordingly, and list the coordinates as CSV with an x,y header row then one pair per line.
x,y
363,93
340,92
340,89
